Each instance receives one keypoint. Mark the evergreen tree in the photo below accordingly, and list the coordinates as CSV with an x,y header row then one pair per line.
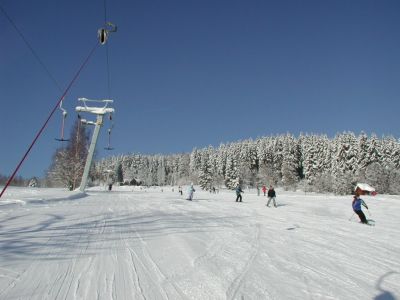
x,y
205,172
231,172
377,176
290,163
119,173
344,163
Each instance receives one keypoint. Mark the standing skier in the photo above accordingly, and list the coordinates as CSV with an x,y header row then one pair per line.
x,y
264,189
271,195
191,191
180,190
238,193
357,202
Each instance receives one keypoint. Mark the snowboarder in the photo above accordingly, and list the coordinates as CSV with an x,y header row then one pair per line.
x,y
357,202
191,191
271,195
264,189
238,193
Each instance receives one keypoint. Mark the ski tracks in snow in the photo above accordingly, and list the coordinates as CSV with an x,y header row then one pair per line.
x,y
154,280
236,285
32,275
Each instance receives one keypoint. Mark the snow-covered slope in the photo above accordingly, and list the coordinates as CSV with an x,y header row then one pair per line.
x,y
148,244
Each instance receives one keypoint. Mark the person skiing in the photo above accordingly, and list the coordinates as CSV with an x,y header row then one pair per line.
x,y
356,204
180,190
191,191
238,193
271,195
264,189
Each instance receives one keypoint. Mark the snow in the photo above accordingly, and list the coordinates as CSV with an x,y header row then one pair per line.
x,y
134,243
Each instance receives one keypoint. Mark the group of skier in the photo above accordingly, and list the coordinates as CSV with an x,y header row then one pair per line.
x,y
239,191
271,194
356,204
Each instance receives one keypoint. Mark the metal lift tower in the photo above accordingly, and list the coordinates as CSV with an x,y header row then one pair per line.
x,y
100,112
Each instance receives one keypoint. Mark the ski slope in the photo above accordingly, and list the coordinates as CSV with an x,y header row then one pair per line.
x,y
153,244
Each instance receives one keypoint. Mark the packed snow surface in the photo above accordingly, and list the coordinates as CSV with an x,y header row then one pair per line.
x,y
134,243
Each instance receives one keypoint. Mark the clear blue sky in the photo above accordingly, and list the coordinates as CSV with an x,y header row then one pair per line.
x,y
188,74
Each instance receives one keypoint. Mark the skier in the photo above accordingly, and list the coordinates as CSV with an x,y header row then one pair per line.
x,y
271,195
357,202
180,190
264,189
238,193
191,191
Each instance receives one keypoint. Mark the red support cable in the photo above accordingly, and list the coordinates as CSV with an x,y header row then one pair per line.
x,y
48,118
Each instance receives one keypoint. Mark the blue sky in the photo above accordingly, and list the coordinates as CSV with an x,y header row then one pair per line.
x,y
188,74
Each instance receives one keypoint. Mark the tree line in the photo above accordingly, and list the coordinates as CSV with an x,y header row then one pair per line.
x,y
311,162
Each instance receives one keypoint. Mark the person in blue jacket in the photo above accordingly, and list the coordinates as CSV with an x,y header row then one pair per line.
x,y
238,193
357,203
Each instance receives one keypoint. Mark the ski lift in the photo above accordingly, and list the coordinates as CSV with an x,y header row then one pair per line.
x,y
109,135
103,33
64,116
109,141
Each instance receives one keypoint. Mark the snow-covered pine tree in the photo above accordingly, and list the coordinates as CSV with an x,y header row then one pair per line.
x,y
290,163
161,170
119,173
344,162
368,153
231,171
316,162
183,169
377,176
205,171
277,157
220,162
309,157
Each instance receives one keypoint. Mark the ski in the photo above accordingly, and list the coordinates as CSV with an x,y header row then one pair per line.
x,y
371,222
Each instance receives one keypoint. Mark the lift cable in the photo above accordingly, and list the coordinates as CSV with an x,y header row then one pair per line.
x,y
34,53
49,117
113,28
42,64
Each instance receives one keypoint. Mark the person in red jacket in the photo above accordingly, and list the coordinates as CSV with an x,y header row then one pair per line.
x,y
264,189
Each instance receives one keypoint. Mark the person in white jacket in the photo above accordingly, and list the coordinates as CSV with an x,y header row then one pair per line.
x,y
191,191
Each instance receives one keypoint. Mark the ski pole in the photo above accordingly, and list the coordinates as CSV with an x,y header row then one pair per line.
x,y
351,216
